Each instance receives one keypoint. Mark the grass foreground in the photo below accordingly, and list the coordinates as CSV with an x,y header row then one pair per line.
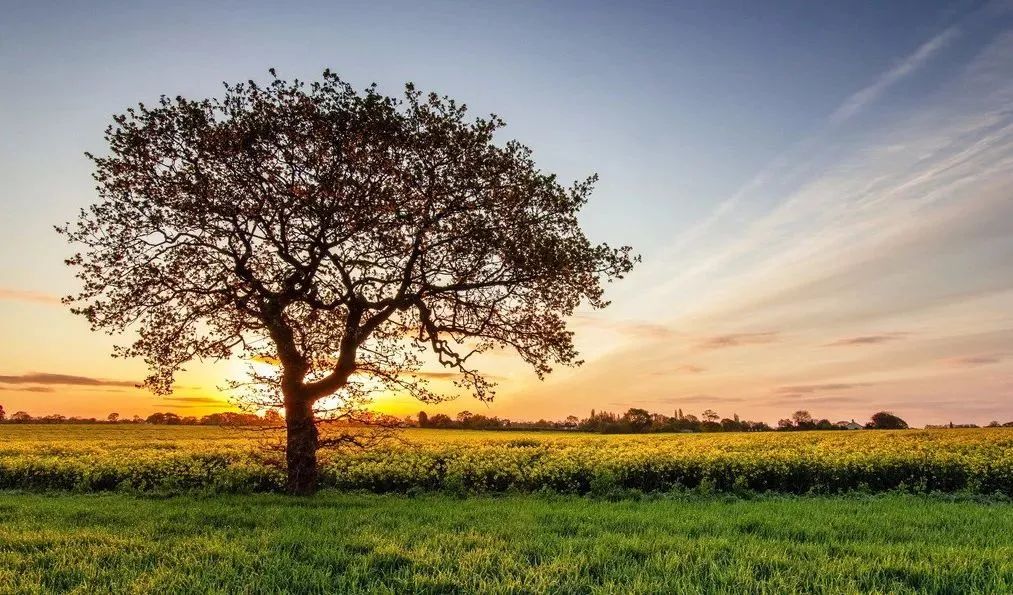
x,y
340,542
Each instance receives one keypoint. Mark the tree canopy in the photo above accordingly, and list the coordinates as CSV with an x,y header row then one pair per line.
x,y
884,420
338,234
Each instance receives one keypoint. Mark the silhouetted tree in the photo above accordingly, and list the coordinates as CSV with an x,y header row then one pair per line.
x,y
21,417
638,419
802,419
710,415
3,414
423,419
332,232
440,420
884,420
113,417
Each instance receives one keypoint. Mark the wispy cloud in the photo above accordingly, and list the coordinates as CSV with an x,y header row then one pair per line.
x,y
701,398
197,400
860,99
790,166
690,369
46,378
805,389
633,328
974,361
737,340
820,400
23,295
679,370
866,340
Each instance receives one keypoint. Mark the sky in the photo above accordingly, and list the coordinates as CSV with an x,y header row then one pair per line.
x,y
822,193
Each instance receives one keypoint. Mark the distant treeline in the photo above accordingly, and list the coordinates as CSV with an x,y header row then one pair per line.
x,y
227,418
642,421
634,421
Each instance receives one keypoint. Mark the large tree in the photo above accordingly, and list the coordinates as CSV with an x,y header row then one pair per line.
x,y
347,237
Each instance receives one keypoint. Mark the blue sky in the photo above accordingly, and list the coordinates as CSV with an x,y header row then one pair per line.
x,y
795,174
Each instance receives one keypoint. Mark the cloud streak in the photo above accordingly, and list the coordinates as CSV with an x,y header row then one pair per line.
x,y
865,340
805,389
865,96
29,389
975,360
46,378
197,400
737,340
23,295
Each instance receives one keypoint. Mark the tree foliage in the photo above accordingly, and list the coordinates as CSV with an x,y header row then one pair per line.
x,y
884,420
338,234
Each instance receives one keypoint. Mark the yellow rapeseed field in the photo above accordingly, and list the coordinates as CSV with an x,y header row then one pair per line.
x,y
180,458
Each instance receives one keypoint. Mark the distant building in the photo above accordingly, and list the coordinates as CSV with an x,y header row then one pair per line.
x,y
849,425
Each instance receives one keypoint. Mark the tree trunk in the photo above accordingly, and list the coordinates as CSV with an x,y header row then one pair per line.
x,y
301,447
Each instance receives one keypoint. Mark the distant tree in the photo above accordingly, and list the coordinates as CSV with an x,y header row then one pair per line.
x,y
884,420
785,424
440,420
993,424
156,418
730,425
825,424
464,416
113,417
638,419
423,419
3,414
572,421
710,415
273,418
802,418
21,417
336,233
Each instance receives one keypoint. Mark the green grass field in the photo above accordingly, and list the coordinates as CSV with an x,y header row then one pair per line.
x,y
342,543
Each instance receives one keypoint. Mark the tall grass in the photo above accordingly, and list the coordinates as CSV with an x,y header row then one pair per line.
x,y
347,543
